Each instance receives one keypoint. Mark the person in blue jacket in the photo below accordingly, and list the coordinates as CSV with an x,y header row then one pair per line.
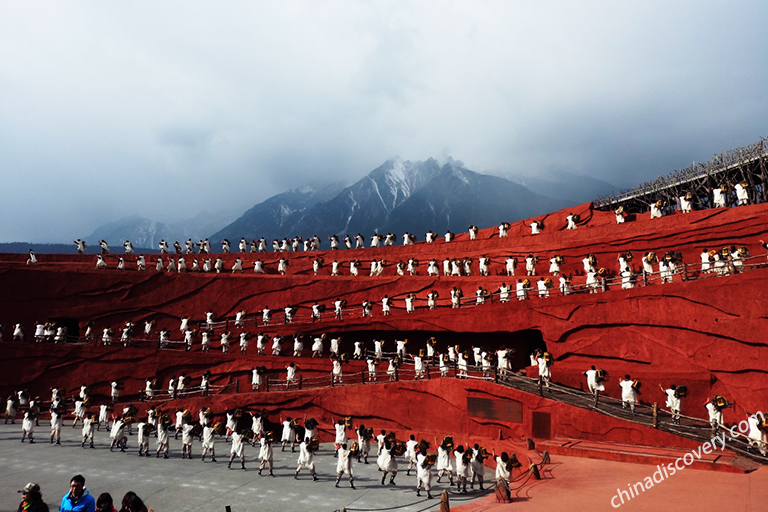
x,y
78,499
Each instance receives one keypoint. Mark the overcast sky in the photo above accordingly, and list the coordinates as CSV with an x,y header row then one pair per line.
x,y
167,108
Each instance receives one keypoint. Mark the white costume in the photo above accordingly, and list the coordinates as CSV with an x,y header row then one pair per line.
x,y
423,474
89,427
715,415
686,205
341,434
502,473
542,287
306,458
530,265
298,346
255,380
592,382
344,465
504,293
336,372
386,461
741,194
225,342
673,403
521,291
290,375
317,347
626,280
238,446
418,367
544,372
510,266
718,198
756,436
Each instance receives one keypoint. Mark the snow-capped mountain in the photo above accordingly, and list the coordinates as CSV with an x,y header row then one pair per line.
x,y
396,197
458,197
365,206
278,215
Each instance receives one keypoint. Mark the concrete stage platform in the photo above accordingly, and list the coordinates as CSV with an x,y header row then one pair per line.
x,y
568,483
192,485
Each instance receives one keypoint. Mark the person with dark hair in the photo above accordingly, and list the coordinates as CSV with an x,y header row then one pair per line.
x,y
238,448
104,503
673,402
386,459
410,453
462,469
306,459
32,499
78,499
477,467
502,471
628,393
423,473
132,503
344,465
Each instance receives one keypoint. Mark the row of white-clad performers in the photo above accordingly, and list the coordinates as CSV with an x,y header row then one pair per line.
x,y
685,205
454,267
313,243
241,428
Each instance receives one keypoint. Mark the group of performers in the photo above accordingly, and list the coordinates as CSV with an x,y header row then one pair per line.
x,y
460,465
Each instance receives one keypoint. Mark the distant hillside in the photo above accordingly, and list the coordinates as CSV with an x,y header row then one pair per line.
x,y
143,232
91,248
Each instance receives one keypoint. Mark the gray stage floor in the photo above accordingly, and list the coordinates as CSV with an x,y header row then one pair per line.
x,y
192,485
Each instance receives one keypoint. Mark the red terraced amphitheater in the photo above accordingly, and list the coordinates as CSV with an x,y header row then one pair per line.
x,y
703,330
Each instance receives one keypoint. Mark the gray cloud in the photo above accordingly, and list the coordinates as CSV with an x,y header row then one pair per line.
x,y
172,108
